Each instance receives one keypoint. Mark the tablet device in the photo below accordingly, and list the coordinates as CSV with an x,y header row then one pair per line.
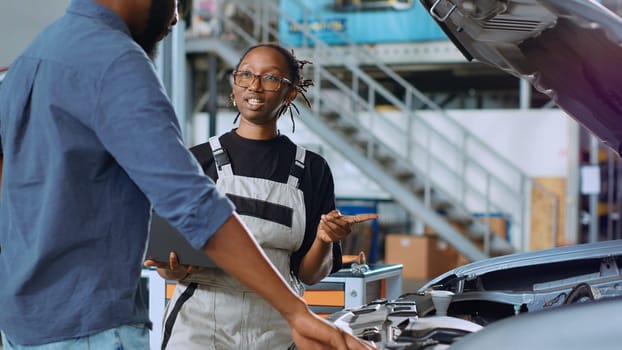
x,y
164,238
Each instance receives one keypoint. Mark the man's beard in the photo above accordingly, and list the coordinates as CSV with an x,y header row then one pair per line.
x,y
157,26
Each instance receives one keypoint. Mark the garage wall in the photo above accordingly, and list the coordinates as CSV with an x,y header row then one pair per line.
x,y
21,21
536,140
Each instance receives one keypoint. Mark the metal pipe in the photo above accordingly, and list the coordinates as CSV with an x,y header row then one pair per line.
x,y
593,227
610,190
525,94
212,100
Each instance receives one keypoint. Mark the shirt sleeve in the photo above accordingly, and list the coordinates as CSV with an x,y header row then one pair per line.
x,y
135,121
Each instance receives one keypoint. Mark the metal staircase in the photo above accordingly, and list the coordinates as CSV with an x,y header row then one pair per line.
x,y
430,164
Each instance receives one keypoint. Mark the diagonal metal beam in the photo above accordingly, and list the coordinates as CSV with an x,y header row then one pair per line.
x,y
407,199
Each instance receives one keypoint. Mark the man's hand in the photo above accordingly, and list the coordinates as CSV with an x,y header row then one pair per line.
x,y
172,270
311,332
334,227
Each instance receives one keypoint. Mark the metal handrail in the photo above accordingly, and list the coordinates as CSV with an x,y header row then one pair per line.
x,y
348,115
319,45
266,30
358,50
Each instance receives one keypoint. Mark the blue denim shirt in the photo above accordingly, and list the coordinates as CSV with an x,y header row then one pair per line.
x,y
89,142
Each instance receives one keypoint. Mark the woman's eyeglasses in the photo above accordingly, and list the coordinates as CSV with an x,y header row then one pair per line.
x,y
269,82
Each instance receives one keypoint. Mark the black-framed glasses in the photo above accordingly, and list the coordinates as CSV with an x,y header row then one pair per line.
x,y
269,82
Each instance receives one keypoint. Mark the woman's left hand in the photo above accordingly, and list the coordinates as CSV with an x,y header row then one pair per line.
x,y
172,270
334,226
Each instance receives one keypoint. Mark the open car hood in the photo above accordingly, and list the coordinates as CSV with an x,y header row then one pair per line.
x,y
542,265
560,298
568,49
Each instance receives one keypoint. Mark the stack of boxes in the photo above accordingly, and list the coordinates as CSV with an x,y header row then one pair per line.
x,y
423,257
427,256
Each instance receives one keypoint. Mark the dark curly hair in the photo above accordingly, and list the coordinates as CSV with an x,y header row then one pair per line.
x,y
295,67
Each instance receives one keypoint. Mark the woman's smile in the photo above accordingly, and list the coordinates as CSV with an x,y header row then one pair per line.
x,y
254,103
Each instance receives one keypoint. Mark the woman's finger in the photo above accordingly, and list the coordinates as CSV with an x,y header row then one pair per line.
x,y
358,218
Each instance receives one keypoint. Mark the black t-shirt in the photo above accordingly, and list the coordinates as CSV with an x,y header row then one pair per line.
x,y
272,159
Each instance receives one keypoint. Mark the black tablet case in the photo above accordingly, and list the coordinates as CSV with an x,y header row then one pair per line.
x,y
164,238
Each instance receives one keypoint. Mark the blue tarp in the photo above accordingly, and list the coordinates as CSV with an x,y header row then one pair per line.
x,y
362,22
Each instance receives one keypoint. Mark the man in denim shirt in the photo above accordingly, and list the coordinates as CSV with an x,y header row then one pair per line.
x,y
89,142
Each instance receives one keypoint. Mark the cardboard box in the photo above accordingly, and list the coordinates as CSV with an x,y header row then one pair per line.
x,y
423,257
498,225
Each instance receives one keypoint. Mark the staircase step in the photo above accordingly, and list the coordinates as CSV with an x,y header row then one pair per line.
x,y
385,159
457,217
347,129
441,204
403,175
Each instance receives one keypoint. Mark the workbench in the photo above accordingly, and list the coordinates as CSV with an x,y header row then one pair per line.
x,y
348,288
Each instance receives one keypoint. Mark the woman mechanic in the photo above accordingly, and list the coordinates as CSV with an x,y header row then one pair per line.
x,y
283,193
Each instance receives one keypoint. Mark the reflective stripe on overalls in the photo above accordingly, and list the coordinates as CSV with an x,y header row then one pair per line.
x,y
218,312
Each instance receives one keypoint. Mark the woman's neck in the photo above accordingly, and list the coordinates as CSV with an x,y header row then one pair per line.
x,y
257,132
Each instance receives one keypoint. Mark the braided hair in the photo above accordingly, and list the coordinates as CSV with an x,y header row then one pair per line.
x,y
295,67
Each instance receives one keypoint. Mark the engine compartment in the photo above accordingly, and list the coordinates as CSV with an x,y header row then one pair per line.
x,y
489,291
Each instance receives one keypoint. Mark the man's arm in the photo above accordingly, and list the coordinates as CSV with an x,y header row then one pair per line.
x,y
237,253
1,172
235,250
251,267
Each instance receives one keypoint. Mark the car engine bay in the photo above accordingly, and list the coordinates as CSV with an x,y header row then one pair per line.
x,y
472,297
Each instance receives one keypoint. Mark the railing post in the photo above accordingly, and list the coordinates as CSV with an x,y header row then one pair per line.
x,y
555,219
427,200
265,34
257,23
523,212
355,89
305,22
219,16
464,162
409,125
316,88
487,233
